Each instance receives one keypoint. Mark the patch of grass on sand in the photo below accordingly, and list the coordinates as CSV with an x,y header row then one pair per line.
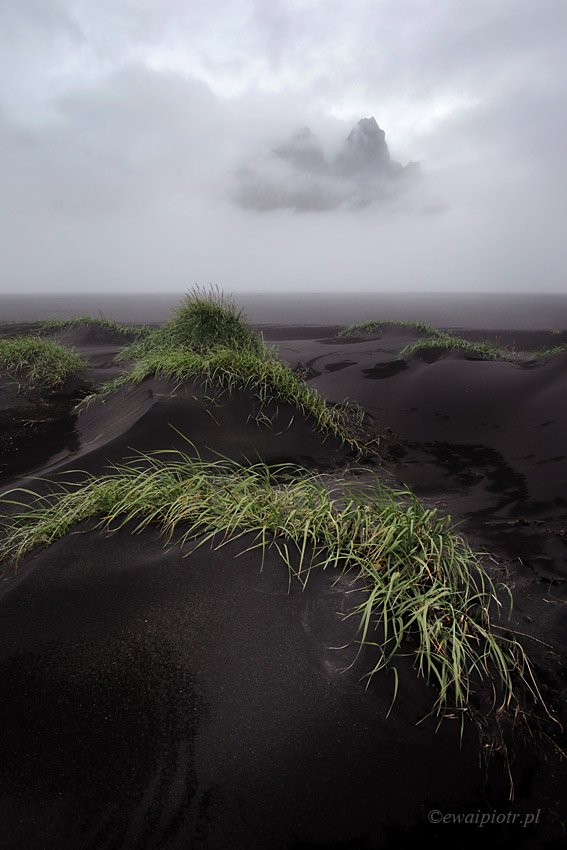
x,y
484,350
41,363
207,339
549,352
268,378
203,321
367,328
100,321
423,587
432,338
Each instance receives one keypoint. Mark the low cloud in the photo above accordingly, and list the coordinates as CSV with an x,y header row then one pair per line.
x,y
297,175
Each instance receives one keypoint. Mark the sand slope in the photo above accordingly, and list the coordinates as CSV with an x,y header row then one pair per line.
x,y
154,700
197,702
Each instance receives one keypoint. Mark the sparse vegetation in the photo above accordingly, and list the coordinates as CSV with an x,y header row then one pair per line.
x,y
431,338
376,326
268,378
484,350
39,362
203,321
424,589
208,340
548,352
100,321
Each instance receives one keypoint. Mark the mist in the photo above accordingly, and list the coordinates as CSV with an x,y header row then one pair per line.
x,y
146,151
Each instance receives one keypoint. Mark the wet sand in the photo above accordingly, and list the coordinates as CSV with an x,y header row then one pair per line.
x,y
154,698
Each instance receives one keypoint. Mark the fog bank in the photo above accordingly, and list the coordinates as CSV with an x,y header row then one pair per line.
x,y
145,151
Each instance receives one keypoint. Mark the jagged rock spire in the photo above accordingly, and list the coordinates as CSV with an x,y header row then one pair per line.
x,y
365,150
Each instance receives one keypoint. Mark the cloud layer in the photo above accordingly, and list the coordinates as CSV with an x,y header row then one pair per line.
x,y
128,129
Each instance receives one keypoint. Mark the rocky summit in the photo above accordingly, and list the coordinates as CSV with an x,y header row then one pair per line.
x,y
296,174
365,150
364,154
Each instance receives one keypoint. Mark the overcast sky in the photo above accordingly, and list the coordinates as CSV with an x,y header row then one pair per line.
x,y
128,130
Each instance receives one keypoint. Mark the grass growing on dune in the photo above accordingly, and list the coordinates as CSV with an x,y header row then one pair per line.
x,y
41,363
422,585
268,378
549,352
485,350
433,338
100,321
203,321
207,340
377,325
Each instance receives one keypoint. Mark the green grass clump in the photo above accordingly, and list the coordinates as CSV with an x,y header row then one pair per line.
x,y
376,326
422,586
207,340
455,343
268,378
203,321
100,321
41,363
433,338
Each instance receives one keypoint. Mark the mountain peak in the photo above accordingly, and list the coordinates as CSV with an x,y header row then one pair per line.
x,y
365,150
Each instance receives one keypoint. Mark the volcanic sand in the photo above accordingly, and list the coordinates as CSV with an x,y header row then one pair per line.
x,y
154,697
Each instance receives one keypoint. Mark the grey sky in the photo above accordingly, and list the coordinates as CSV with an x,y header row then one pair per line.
x,y
126,126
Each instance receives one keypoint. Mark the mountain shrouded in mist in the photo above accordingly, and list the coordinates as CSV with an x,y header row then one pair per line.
x,y
297,175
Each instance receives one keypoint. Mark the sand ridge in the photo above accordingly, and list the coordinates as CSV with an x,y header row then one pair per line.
x,y
158,698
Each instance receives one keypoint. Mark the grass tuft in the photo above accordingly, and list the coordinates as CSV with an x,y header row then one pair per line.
x,y
207,340
377,325
203,321
268,378
100,321
432,338
423,587
549,352
41,363
484,350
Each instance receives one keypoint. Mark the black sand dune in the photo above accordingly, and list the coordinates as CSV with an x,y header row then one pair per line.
x,y
517,412
152,700
160,414
199,702
36,424
485,441
99,347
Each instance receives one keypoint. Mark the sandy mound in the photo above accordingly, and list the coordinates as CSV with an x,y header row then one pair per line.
x,y
152,700
516,411
86,336
156,414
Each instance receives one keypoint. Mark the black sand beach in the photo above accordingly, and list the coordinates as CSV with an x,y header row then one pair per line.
x,y
159,698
